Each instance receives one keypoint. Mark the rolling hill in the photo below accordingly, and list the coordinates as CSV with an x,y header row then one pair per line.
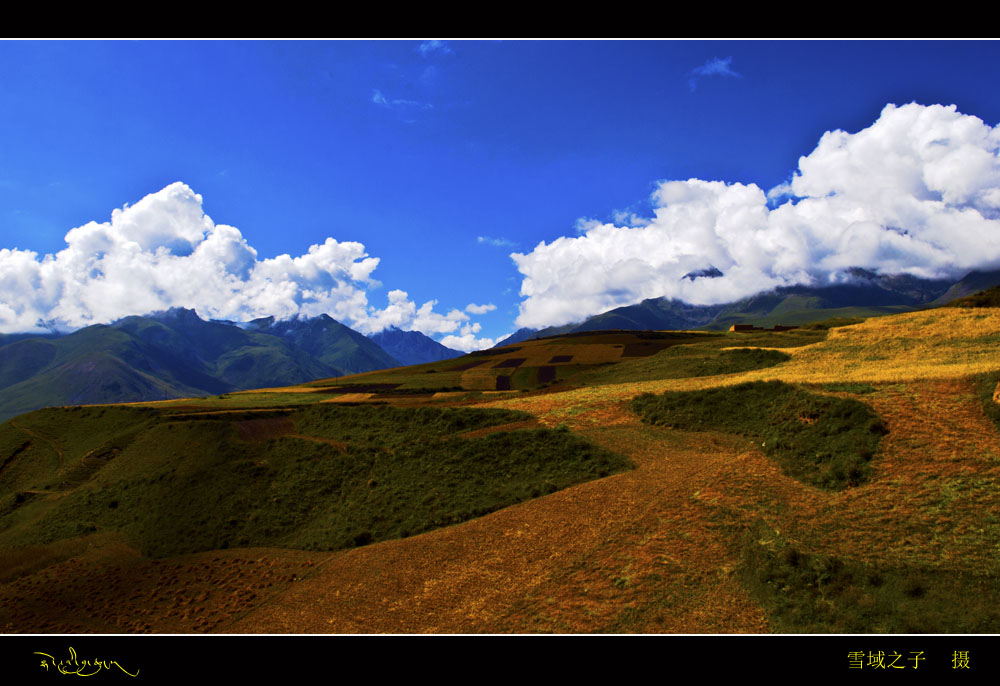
x,y
827,479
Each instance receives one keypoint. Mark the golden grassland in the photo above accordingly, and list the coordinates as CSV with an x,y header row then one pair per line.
x,y
931,344
653,550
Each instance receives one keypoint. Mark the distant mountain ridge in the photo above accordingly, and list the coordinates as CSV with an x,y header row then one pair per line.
x,y
175,353
328,341
865,293
412,347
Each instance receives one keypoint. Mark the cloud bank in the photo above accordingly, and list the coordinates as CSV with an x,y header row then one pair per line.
x,y
918,192
163,251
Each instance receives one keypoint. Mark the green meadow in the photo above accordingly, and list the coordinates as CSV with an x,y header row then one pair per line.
x,y
330,477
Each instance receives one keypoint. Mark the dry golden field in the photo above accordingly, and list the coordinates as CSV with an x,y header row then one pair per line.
x,y
660,549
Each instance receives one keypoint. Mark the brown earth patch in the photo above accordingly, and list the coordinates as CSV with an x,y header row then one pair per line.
x,y
252,430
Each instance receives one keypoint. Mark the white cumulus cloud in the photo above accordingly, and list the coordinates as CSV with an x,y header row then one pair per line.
x,y
466,340
404,314
473,308
164,251
918,191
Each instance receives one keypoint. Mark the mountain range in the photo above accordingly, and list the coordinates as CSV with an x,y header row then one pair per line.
x,y
175,353
412,347
863,294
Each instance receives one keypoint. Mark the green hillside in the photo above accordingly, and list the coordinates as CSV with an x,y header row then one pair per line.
x,y
987,298
321,477
329,342
175,354
971,284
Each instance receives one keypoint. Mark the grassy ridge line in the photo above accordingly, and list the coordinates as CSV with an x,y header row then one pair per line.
x,y
69,433
392,427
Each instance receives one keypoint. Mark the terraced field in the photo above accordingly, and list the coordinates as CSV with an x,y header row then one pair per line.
x,y
689,531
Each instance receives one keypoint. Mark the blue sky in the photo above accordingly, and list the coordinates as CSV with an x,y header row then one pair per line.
x,y
443,158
